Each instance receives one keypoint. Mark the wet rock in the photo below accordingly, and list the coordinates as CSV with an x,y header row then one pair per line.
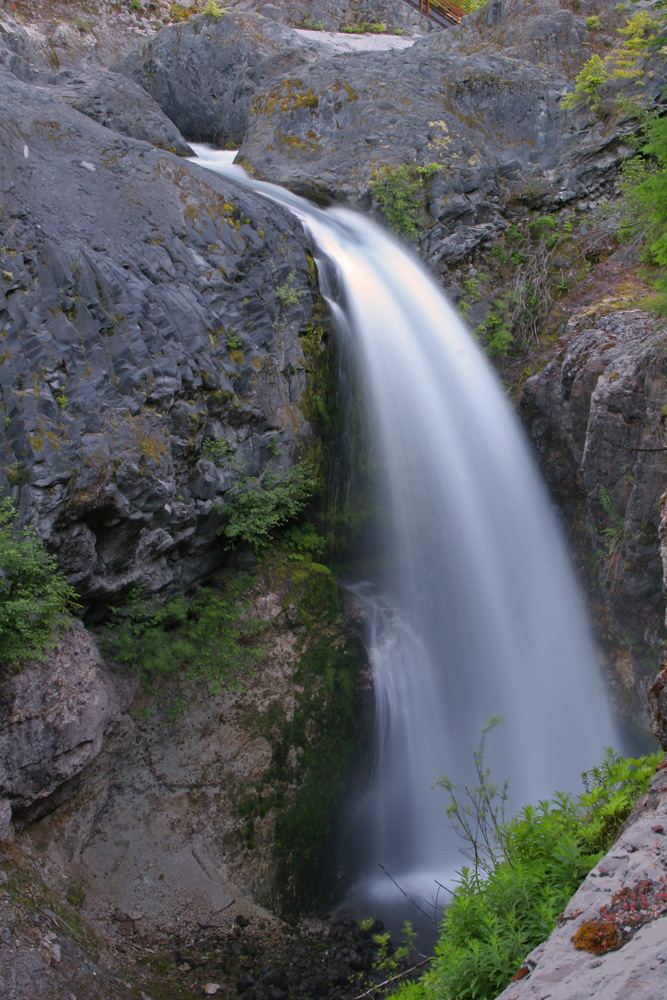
x,y
53,718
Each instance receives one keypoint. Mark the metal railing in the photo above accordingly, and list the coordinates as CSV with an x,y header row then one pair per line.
x,y
452,11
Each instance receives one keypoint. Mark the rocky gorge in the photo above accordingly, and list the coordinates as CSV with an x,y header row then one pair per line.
x,y
165,344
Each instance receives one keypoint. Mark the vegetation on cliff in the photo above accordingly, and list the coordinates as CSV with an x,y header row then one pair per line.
x,y
522,873
35,598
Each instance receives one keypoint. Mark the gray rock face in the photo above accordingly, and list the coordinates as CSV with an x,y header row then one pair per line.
x,y
636,863
203,73
53,718
595,416
492,123
140,321
120,105
538,31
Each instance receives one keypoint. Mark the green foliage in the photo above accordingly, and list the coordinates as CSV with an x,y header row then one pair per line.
x,y
35,597
216,449
636,38
62,401
212,9
495,330
388,960
611,790
614,528
257,508
365,28
233,340
287,293
203,637
501,911
587,85
527,261
400,192
310,25
303,542
645,192
593,22
641,32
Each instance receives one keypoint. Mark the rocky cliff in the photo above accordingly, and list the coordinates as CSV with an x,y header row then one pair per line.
x,y
162,342
141,327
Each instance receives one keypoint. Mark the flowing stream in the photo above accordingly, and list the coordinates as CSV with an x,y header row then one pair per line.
x,y
472,610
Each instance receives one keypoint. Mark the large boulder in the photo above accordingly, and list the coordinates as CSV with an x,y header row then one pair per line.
x,y
141,322
53,718
120,105
595,414
204,73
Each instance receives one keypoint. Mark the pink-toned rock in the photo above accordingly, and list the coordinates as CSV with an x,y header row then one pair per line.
x,y
627,891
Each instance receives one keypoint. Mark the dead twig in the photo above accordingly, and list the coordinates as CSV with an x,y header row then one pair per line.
x,y
392,979
409,898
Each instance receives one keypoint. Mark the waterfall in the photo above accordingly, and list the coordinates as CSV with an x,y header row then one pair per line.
x,y
472,610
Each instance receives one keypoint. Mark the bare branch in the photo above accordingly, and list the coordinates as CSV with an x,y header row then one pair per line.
x,y
392,979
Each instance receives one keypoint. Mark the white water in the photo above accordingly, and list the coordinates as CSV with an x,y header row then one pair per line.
x,y
475,611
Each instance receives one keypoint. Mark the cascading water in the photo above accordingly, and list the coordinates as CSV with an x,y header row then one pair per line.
x,y
474,611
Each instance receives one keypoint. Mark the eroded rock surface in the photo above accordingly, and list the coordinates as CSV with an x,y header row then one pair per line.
x,y
205,72
483,117
596,417
627,890
120,105
53,719
141,321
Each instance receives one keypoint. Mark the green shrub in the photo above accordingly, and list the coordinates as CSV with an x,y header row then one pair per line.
x,y
212,10
233,341
217,450
645,191
35,597
257,508
587,85
593,23
201,637
640,34
288,294
509,901
400,192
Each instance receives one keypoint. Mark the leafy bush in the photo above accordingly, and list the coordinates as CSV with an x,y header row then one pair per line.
x,y
257,508
645,190
587,85
35,597
217,450
212,9
521,880
288,294
636,38
203,637
400,192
